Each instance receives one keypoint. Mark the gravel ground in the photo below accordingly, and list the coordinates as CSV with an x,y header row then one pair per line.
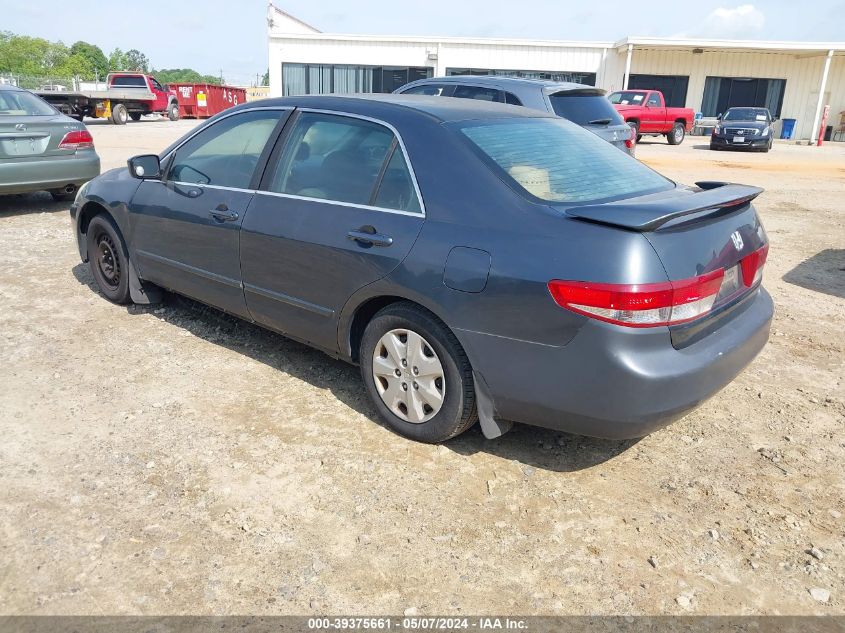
x,y
170,459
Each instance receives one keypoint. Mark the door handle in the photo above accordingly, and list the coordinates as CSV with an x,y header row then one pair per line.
x,y
370,239
223,214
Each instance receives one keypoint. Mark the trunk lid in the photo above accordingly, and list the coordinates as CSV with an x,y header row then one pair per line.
x,y
29,136
615,134
695,232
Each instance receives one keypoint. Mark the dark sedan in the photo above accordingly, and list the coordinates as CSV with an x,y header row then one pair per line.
x,y
478,261
743,128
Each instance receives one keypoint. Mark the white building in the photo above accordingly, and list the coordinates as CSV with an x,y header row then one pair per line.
x,y
793,79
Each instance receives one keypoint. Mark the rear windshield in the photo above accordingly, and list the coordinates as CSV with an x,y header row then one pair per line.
x,y
557,161
20,103
129,82
585,109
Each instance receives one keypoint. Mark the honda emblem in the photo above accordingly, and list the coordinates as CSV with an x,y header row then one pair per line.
x,y
736,238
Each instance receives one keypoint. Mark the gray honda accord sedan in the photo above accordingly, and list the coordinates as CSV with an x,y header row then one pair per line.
x,y
479,261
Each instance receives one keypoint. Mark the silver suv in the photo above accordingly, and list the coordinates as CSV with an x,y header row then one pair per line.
x,y
585,105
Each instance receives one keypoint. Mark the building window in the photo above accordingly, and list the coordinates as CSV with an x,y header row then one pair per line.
x,y
673,87
316,79
554,75
721,93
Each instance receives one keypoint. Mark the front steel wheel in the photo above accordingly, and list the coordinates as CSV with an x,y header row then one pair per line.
x,y
408,376
108,259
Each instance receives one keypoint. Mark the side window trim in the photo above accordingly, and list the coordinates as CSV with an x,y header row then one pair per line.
x,y
284,138
167,159
377,186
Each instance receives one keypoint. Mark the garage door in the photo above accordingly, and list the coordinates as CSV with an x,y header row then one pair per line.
x,y
673,87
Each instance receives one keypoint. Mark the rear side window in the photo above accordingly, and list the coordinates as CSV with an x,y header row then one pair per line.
x,y
129,82
434,90
585,108
512,99
557,161
344,159
477,92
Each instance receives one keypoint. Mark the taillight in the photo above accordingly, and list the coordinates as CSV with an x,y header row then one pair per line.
x,y
632,138
640,305
78,139
663,303
752,266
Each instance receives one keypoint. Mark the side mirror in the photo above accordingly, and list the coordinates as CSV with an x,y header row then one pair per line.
x,y
719,117
145,167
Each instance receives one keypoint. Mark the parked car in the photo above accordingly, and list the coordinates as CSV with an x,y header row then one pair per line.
x,y
128,95
581,104
744,128
474,259
41,149
646,112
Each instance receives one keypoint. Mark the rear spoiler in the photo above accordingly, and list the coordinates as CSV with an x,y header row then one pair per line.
x,y
650,213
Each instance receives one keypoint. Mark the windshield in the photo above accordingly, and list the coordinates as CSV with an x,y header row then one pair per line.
x,y
22,103
585,108
627,97
557,161
746,114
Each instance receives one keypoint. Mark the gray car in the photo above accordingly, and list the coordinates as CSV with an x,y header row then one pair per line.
x,y
585,105
477,260
42,149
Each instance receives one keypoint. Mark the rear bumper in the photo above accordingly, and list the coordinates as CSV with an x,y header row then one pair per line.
x,y
23,176
615,382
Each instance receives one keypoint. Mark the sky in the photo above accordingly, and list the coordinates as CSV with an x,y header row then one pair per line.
x,y
230,36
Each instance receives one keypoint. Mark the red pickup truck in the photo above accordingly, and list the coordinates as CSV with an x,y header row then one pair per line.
x,y
127,95
646,112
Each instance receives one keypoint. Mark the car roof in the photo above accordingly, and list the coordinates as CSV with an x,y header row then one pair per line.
x,y
500,81
377,104
10,87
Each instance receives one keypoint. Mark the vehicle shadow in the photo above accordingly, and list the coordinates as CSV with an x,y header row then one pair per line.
x,y
26,203
534,447
823,272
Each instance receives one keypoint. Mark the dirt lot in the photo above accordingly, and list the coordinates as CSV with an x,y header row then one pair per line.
x,y
173,460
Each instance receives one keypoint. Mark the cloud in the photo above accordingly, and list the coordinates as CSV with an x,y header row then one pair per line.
x,y
742,22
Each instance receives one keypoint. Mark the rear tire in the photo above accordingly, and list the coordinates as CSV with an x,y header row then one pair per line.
x,y
173,112
119,114
446,374
676,136
108,259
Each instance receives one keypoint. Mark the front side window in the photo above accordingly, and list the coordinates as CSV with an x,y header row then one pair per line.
x,y
477,92
560,162
654,100
344,159
225,154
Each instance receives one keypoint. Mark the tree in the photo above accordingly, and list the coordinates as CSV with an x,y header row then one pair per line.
x,y
137,61
117,61
184,75
94,58
265,80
